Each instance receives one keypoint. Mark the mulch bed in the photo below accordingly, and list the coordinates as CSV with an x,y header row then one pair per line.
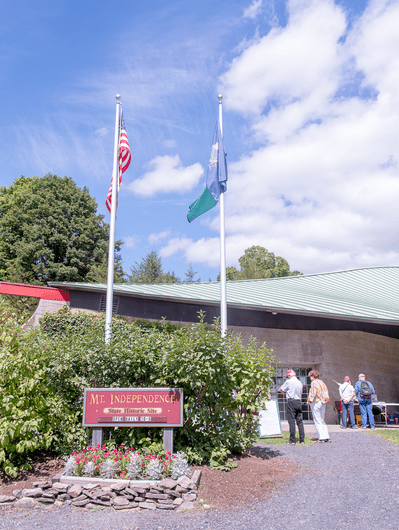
x,y
256,476
44,467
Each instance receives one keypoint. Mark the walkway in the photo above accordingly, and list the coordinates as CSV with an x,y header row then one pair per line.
x,y
351,483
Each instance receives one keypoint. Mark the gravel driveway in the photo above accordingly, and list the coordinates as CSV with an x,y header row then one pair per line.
x,y
351,483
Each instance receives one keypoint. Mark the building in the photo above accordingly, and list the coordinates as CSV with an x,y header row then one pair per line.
x,y
340,323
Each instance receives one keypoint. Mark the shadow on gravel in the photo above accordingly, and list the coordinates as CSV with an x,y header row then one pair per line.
x,y
264,452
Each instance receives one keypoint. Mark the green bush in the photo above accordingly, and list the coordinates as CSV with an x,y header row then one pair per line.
x,y
43,374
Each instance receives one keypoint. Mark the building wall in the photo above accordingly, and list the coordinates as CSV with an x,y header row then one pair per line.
x,y
336,348
336,354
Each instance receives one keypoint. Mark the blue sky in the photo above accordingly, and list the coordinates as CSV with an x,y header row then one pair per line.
x,y
310,119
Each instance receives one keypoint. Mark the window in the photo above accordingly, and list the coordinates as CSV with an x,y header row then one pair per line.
x,y
115,302
279,379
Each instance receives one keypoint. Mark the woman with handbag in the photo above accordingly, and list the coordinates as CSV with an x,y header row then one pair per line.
x,y
318,398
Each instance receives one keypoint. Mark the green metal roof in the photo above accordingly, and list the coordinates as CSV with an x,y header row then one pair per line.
x,y
370,294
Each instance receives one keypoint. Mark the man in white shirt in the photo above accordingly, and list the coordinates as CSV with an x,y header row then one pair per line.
x,y
293,389
347,393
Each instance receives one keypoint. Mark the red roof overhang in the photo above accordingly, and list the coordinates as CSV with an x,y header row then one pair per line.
x,y
35,291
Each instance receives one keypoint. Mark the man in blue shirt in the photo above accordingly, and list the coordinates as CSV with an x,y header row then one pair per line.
x,y
365,402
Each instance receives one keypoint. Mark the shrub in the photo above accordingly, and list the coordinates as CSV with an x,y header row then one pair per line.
x,y
43,374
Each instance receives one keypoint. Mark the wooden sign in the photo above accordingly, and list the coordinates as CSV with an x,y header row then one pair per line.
x,y
133,407
269,420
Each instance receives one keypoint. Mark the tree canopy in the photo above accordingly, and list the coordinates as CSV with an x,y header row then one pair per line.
x,y
99,272
49,231
257,262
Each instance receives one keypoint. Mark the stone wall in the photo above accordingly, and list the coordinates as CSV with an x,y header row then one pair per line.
x,y
167,494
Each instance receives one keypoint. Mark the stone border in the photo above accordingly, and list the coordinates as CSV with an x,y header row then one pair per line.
x,y
167,494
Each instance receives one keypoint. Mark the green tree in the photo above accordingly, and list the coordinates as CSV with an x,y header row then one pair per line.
x,y
257,262
99,272
49,231
190,276
150,270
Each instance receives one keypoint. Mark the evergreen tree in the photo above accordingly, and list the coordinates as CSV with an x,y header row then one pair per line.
x,y
190,276
150,270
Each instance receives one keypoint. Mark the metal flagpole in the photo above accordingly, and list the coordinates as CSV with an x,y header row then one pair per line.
x,y
223,300
97,436
115,179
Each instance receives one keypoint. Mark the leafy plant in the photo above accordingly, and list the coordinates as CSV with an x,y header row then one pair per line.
x,y
180,467
44,372
134,468
108,468
70,466
154,470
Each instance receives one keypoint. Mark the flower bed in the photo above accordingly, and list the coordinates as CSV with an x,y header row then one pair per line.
x,y
126,463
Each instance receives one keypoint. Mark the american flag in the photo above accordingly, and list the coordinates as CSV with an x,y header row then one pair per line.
x,y
123,162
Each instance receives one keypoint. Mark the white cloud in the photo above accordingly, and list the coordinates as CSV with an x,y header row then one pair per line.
x,y
320,186
166,175
253,10
300,60
131,241
205,250
154,238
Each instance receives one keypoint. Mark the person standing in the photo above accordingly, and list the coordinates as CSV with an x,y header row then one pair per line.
x,y
318,397
364,391
347,393
293,389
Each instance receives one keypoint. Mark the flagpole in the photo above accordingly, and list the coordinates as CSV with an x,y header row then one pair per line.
x,y
223,299
111,247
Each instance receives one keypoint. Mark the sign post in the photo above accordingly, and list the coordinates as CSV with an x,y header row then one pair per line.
x,y
134,407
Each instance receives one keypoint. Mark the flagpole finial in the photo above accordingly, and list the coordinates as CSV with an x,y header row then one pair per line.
x,y
118,97
220,97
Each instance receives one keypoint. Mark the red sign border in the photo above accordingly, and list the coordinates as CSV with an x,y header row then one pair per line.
x,y
135,424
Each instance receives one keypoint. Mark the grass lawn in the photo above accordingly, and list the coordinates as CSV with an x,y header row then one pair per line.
x,y
281,441
388,434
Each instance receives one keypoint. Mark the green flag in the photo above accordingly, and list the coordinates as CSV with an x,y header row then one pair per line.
x,y
216,182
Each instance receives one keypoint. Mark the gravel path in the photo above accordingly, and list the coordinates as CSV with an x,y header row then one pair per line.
x,y
351,483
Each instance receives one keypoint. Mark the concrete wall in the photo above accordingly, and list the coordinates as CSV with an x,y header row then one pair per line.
x,y
336,354
44,306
